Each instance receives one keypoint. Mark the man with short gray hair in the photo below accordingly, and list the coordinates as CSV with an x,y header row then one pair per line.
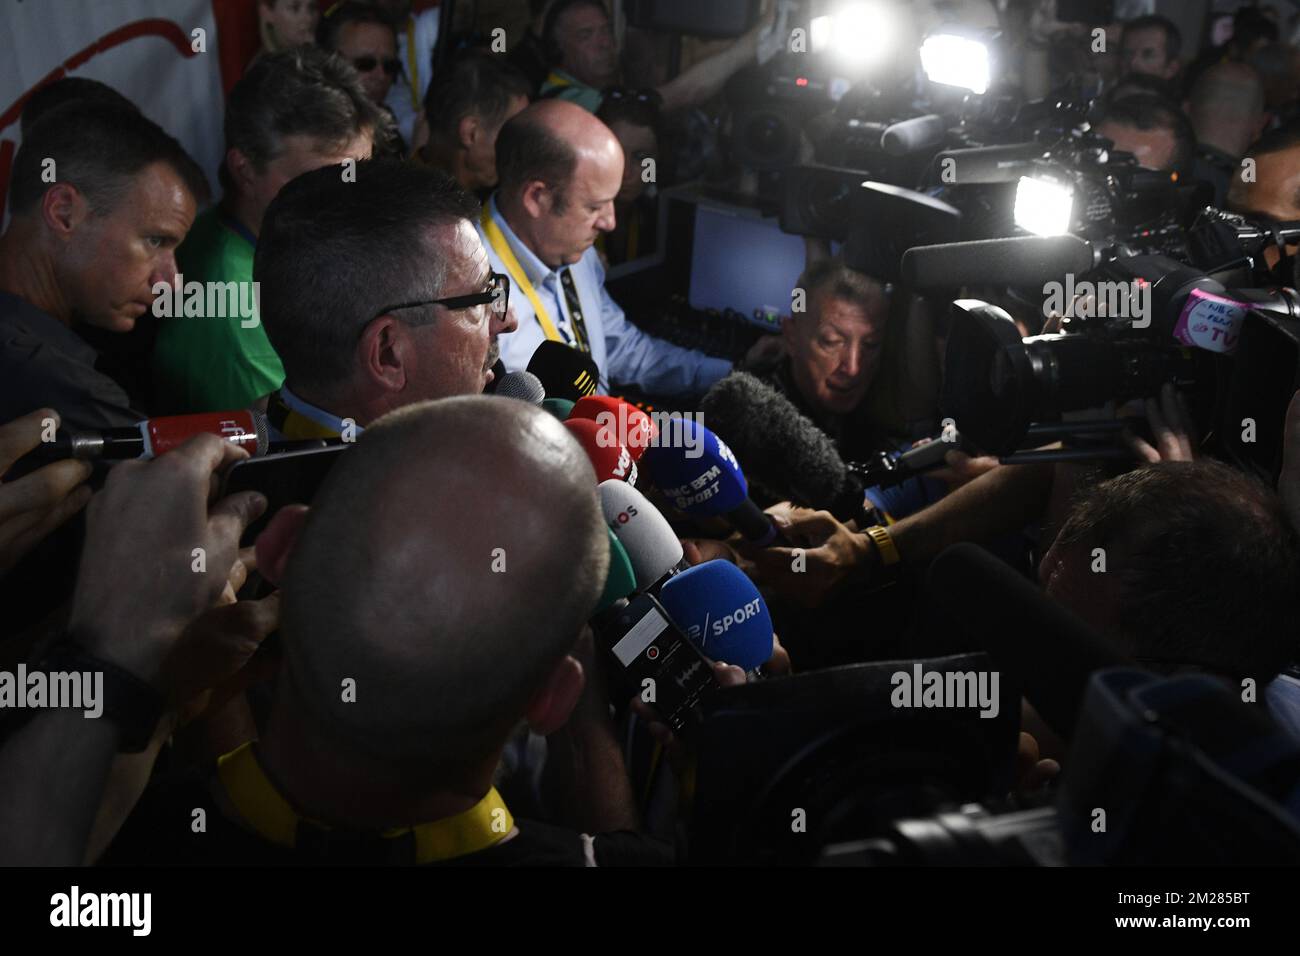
x,y
376,294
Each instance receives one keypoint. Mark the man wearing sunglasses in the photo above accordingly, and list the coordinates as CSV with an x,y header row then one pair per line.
x,y
376,294
364,37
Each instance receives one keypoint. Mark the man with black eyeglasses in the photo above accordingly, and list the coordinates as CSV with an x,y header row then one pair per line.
x,y
376,294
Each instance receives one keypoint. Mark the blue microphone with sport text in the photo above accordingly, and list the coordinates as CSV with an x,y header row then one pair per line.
x,y
722,613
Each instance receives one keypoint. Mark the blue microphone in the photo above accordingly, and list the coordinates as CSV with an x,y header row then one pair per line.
x,y
721,612
699,474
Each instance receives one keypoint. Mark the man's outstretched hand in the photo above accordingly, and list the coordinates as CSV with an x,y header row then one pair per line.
x,y
158,554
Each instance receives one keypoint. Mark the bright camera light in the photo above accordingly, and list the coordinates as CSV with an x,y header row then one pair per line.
x,y
858,33
820,31
956,61
1044,207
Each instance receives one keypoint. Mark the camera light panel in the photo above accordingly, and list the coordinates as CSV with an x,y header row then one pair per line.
x,y
954,60
1043,206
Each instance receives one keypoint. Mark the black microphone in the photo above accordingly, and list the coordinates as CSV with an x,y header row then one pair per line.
x,y
1018,261
563,371
989,164
1022,629
913,135
784,453
524,386
498,373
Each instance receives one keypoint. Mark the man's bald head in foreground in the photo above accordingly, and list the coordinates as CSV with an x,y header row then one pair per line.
x,y
447,565
560,169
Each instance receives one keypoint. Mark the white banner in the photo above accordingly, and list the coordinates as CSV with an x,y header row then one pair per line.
x,y
148,50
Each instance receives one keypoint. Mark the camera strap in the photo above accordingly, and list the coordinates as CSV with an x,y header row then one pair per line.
x,y
262,806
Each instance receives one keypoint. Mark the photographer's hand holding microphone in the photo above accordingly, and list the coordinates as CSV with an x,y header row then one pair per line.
x,y
158,556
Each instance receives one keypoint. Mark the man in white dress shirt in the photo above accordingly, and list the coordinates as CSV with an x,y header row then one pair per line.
x,y
560,169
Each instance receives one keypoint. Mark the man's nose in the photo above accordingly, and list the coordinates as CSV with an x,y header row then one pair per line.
x,y
607,220
504,323
851,364
164,270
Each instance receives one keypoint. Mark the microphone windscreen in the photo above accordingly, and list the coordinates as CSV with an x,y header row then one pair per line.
x,y
1022,629
990,164
785,454
559,407
609,459
1018,261
564,372
721,612
696,470
524,386
913,135
645,534
631,427
620,581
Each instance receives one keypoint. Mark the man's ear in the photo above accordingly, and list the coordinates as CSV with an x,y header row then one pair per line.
x,y
63,209
468,130
241,169
536,198
384,353
551,706
278,539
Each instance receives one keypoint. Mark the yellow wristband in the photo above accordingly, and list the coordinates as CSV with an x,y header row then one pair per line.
x,y
884,543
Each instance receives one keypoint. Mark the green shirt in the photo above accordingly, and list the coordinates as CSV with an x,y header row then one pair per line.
x,y
564,86
219,358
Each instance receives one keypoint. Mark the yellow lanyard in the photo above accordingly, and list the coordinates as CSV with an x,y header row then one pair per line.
x,y
496,239
481,826
554,79
294,425
414,62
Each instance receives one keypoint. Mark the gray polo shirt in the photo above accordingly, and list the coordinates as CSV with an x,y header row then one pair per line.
x,y
44,363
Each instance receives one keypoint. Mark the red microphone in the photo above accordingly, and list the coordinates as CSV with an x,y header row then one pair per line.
x,y
157,436
609,458
627,424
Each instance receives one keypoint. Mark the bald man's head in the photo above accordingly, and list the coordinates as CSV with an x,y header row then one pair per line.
x,y
447,564
1273,188
560,169
1226,107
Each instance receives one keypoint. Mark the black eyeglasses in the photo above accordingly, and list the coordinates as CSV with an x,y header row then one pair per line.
x,y
364,64
497,295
